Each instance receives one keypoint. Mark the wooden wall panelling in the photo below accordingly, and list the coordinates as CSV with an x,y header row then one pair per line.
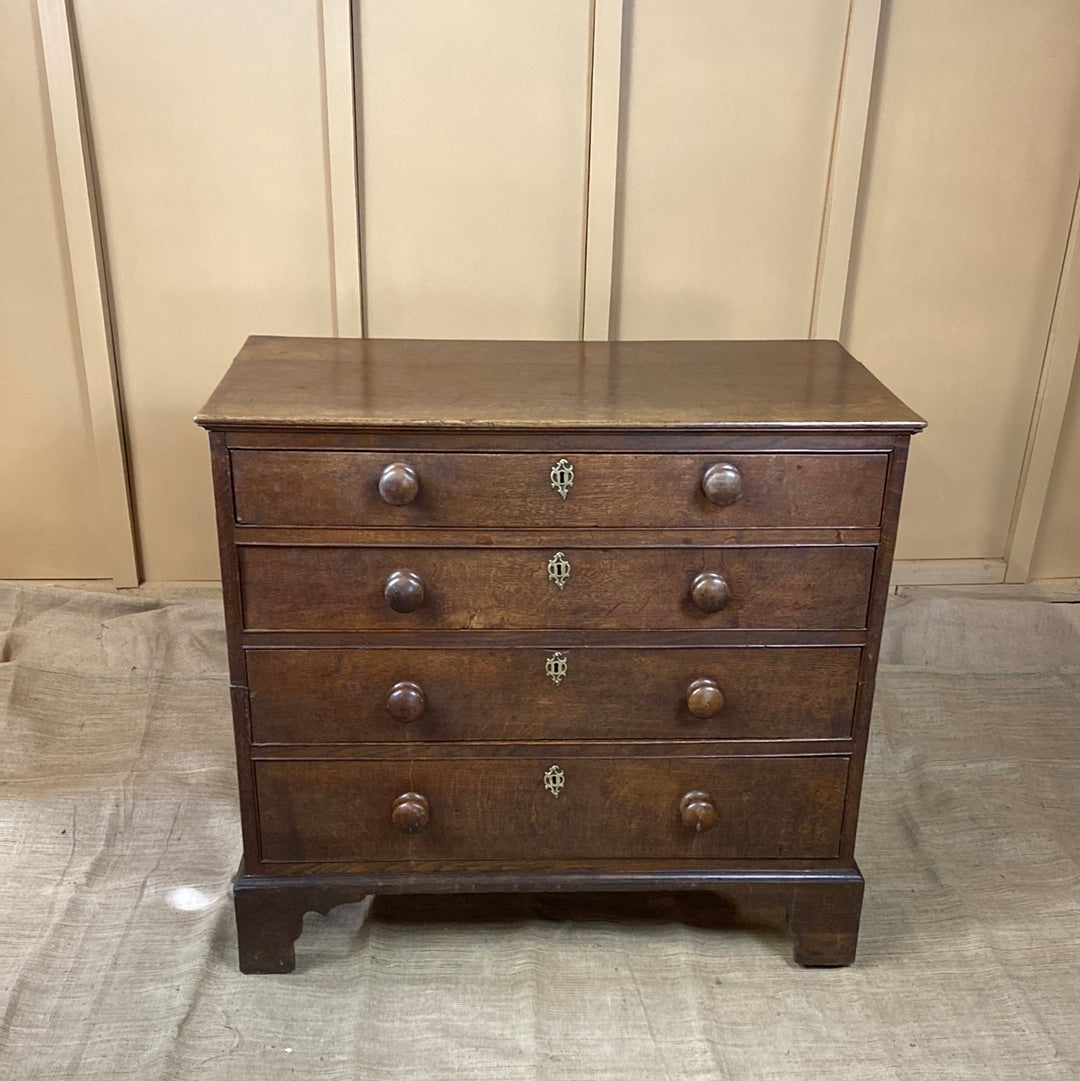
x,y
1057,551
968,190
1044,437
628,173
472,122
65,512
211,146
845,169
837,214
339,102
605,90
729,113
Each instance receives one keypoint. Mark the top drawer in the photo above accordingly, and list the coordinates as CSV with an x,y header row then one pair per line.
x,y
361,488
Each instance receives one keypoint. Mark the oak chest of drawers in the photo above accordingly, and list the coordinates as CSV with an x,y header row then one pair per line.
x,y
552,616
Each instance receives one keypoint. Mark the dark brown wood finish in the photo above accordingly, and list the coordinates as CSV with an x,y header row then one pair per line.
x,y
625,748
625,386
230,588
389,537
390,589
394,440
440,639
824,918
864,701
388,694
500,810
270,917
326,488
270,907
432,712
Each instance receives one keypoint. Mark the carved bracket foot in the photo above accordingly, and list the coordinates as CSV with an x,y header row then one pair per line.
x,y
270,917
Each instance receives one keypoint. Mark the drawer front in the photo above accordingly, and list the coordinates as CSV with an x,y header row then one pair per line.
x,y
342,488
354,588
502,809
389,694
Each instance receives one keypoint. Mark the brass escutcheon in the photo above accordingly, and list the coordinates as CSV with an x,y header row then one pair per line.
x,y
555,667
554,780
562,477
559,569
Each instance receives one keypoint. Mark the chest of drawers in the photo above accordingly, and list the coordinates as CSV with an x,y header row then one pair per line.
x,y
552,616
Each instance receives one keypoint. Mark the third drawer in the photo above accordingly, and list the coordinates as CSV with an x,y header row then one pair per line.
x,y
391,694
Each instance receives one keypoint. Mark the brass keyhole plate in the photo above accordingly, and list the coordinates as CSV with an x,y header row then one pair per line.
x,y
559,569
554,780
556,667
562,477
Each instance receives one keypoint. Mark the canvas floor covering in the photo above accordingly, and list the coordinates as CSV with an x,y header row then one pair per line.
x,y
119,835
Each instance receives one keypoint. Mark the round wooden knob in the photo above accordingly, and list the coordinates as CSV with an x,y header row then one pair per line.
x,y
704,698
710,591
722,484
398,484
411,812
698,812
406,701
404,591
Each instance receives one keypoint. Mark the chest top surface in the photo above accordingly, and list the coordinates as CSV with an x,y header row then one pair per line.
x,y
344,383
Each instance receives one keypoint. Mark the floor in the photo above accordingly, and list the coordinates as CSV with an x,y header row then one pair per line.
x,y
118,837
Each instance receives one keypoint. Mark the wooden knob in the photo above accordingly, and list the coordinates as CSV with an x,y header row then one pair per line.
x,y
398,484
411,812
404,591
722,484
698,812
710,591
406,701
704,698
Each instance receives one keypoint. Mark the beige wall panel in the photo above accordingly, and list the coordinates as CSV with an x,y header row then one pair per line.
x,y
1057,551
728,115
968,190
209,138
49,524
473,124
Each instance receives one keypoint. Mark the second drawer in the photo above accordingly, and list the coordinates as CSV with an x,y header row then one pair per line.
x,y
679,588
391,694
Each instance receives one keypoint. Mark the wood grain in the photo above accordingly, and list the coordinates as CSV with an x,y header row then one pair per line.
x,y
340,695
550,385
312,488
407,669
475,589
500,810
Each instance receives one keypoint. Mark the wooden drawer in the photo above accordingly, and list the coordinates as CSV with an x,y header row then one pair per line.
x,y
499,808
389,694
342,488
346,588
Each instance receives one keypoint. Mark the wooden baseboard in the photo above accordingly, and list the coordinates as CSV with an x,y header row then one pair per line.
x,y
947,572
1066,590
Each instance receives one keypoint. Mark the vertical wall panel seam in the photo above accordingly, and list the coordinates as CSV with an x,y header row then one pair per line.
x,y
842,183
88,269
358,163
1059,363
602,166
339,103
823,227
589,76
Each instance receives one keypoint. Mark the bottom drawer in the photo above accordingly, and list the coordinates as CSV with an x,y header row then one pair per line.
x,y
509,809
